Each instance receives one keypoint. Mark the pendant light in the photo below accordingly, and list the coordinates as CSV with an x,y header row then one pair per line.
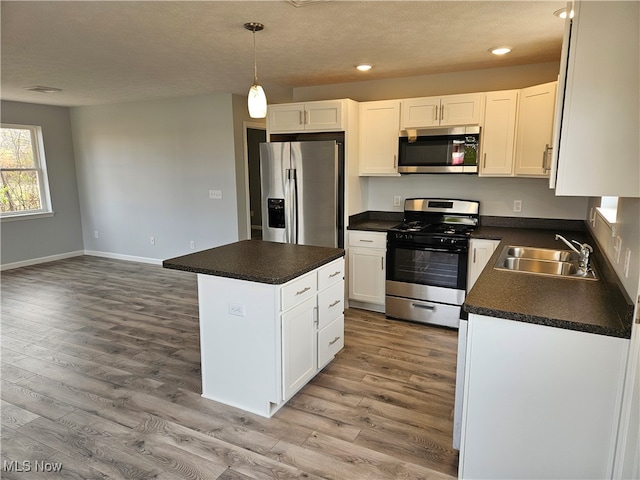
x,y
257,100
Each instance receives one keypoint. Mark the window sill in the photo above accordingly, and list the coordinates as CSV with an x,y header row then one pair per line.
x,y
26,216
608,214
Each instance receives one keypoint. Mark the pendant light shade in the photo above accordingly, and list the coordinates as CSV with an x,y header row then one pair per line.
x,y
256,100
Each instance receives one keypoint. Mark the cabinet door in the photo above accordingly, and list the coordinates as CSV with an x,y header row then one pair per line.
x,y
286,117
598,152
535,130
299,347
367,275
461,110
420,112
323,116
379,126
498,133
480,253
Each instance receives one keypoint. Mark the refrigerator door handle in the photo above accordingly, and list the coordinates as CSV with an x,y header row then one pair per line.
x,y
294,207
287,206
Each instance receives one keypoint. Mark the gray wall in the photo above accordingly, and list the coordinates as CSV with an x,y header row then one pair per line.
x,y
145,169
60,235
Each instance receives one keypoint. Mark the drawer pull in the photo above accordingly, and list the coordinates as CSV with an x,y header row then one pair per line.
x,y
366,241
426,307
305,289
334,303
334,341
334,274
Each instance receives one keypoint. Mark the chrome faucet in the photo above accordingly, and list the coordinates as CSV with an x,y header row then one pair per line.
x,y
584,252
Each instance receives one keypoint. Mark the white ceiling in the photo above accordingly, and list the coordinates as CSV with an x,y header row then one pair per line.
x,y
117,51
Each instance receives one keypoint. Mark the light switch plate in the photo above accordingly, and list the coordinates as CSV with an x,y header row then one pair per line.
x,y
215,194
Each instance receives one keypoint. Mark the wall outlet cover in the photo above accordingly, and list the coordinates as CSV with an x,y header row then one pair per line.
x,y
517,205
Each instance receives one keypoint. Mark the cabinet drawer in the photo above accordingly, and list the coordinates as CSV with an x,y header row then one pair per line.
x,y
331,273
330,304
330,341
367,239
299,290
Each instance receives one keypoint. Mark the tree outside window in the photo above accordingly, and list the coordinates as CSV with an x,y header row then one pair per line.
x,y
24,188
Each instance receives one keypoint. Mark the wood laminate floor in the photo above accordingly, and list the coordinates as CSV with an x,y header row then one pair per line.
x,y
101,377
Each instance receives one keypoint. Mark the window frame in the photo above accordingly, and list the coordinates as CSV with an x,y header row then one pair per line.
x,y
40,167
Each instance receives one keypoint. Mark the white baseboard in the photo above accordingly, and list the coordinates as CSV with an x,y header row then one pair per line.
x,y
36,261
128,258
78,253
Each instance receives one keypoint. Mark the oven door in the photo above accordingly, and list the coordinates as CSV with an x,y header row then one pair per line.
x,y
415,264
425,285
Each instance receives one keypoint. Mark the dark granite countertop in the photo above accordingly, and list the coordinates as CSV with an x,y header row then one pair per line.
x,y
256,261
600,307
375,221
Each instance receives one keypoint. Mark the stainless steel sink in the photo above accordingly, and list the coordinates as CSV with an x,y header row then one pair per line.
x,y
542,261
542,254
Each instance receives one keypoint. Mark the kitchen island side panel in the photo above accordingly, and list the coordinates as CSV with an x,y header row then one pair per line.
x,y
240,343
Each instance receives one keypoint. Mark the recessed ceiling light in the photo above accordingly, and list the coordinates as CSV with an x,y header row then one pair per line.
x,y
364,67
500,50
43,89
562,13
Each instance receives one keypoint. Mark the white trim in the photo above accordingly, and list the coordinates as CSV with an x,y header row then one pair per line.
x,y
36,261
25,216
128,258
245,126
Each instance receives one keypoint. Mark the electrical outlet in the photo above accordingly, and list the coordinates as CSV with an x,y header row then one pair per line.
x,y
627,262
152,240
215,194
192,245
396,200
517,205
236,309
592,217
617,247
95,234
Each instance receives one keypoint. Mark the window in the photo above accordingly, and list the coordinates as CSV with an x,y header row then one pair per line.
x,y
24,189
609,208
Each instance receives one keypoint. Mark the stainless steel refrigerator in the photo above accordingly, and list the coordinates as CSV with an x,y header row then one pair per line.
x,y
302,192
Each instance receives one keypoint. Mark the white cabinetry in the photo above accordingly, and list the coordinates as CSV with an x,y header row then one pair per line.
x,y
596,141
323,116
535,130
539,401
498,133
367,269
442,111
261,343
480,251
379,127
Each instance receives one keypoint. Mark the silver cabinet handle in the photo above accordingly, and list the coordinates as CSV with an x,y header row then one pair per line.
x,y
334,341
334,274
484,165
381,263
546,157
395,161
436,109
301,117
474,255
305,289
441,112
366,241
334,303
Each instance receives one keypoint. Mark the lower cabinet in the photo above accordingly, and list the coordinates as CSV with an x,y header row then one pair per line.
x,y
262,343
367,269
539,401
480,251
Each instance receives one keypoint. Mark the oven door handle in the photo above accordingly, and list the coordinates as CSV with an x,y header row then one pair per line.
x,y
425,249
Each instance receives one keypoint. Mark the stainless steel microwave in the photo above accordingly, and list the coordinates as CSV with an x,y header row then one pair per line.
x,y
439,150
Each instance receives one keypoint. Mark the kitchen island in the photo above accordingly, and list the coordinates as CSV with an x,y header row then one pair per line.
x,y
271,317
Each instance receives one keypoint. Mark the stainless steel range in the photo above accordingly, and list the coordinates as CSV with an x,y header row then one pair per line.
x,y
427,260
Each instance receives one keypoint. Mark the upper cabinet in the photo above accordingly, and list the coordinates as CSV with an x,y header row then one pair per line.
x,y
498,133
517,132
378,132
441,111
323,116
535,130
596,142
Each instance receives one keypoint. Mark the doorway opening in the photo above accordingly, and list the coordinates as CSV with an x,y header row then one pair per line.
x,y
255,136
